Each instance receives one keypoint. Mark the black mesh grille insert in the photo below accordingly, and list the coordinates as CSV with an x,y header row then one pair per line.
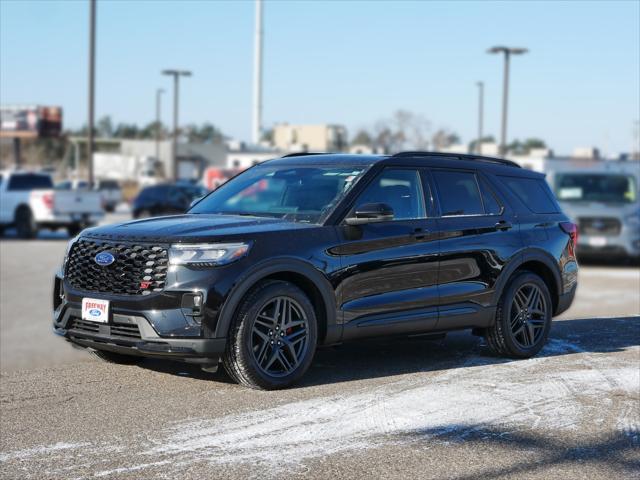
x,y
137,269
124,330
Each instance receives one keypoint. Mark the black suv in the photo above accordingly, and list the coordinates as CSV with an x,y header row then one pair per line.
x,y
311,250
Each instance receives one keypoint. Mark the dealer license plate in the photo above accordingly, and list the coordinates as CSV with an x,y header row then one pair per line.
x,y
597,241
95,310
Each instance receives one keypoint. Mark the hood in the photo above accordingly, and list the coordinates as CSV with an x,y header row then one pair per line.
x,y
192,228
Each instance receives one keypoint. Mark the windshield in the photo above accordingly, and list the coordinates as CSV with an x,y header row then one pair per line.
x,y
297,193
596,187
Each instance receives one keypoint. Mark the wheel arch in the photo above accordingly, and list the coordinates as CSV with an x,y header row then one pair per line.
x,y
536,261
18,208
305,276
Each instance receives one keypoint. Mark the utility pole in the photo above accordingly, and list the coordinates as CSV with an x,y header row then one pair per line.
x,y
257,77
480,116
176,74
159,92
507,51
92,71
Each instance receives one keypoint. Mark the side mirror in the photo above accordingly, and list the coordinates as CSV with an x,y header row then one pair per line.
x,y
371,213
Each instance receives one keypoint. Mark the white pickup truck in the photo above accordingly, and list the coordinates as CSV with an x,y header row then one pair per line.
x,y
29,202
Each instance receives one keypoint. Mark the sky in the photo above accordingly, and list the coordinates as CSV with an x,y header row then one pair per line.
x,y
351,63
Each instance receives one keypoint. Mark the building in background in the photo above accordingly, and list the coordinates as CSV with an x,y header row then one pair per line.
x,y
309,138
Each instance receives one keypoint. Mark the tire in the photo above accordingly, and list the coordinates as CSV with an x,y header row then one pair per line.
x,y
522,323
74,229
110,208
25,223
119,358
262,351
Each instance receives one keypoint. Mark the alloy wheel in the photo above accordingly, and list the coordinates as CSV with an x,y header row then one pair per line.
x,y
528,315
279,337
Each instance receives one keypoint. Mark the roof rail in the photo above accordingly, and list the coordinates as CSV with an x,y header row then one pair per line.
x,y
302,154
459,156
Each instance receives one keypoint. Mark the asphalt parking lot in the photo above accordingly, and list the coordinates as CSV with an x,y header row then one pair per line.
x,y
390,409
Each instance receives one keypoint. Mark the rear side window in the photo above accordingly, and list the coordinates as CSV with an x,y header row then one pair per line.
x,y
491,204
29,181
108,185
458,193
533,192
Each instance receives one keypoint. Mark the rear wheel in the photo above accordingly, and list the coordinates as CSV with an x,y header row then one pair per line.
x,y
523,318
273,338
25,223
113,357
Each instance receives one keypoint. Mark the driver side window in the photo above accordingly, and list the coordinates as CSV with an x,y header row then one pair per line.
x,y
399,188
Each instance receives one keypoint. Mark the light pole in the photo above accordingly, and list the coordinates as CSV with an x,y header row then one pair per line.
x,y
176,74
92,72
256,128
480,116
159,92
507,51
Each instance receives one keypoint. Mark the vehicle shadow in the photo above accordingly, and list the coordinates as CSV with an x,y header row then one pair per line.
x,y
389,357
535,454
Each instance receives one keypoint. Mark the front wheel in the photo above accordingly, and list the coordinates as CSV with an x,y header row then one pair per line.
x,y
523,318
273,337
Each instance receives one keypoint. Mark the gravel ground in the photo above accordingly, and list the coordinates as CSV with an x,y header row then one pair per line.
x,y
392,409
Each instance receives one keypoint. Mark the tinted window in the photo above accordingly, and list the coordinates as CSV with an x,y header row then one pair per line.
x,y
596,187
108,185
458,193
533,192
491,204
400,189
297,193
30,181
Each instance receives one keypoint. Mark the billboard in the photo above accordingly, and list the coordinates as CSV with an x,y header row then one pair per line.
x,y
30,121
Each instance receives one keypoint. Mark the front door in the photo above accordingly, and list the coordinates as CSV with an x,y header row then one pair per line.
x,y
388,281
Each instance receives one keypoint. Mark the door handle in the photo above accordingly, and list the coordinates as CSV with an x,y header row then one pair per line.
x,y
503,225
419,233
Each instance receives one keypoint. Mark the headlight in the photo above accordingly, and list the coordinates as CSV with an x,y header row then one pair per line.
x,y
207,255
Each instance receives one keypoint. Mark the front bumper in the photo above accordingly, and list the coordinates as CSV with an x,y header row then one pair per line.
x,y
627,244
151,327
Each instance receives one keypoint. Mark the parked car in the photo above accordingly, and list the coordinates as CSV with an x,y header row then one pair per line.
x,y
29,202
603,199
110,191
165,199
312,250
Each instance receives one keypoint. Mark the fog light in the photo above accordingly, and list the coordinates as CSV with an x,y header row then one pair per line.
x,y
192,302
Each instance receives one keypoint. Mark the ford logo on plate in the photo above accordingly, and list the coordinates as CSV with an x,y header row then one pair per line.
x,y
94,312
104,258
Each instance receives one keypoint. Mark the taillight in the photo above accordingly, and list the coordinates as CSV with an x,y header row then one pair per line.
x,y
570,229
47,199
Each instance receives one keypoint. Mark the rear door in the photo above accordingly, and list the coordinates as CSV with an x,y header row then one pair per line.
x,y
478,236
388,281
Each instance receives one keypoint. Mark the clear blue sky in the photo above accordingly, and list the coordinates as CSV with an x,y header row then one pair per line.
x,y
343,62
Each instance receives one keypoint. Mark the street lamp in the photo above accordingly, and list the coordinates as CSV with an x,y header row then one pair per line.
x,y
176,74
480,116
507,51
159,92
92,83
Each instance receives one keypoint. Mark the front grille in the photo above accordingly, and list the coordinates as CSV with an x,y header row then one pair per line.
x,y
137,269
606,226
123,330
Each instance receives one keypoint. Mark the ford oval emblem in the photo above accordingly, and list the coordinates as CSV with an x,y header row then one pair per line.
x,y
104,258
94,312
